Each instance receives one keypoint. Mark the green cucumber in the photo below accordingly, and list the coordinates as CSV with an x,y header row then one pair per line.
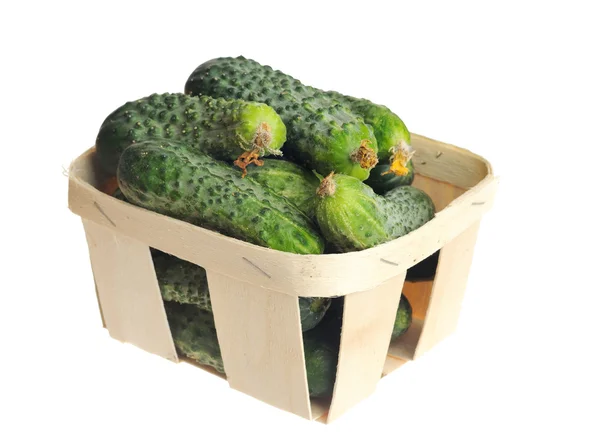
x,y
403,319
312,311
382,180
225,129
195,336
322,134
182,281
393,138
176,180
293,182
353,217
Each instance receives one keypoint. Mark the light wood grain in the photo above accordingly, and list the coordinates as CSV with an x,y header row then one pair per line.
x,y
441,193
260,337
367,326
448,163
418,295
294,274
128,291
448,289
392,364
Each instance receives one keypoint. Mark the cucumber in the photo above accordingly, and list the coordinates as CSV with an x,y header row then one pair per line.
x,y
393,138
225,129
176,180
403,319
382,180
312,311
322,134
186,283
293,182
321,360
182,281
195,336
352,217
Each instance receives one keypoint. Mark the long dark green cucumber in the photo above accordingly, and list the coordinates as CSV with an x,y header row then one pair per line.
x,y
322,134
178,181
393,138
353,217
195,336
289,180
186,283
382,180
225,129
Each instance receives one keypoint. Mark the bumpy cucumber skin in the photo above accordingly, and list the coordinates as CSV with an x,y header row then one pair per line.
x,y
408,208
222,128
321,364
194,334
389,129
182,281
403,319
382,184
175,180
295,183
312,311
352,217
322,134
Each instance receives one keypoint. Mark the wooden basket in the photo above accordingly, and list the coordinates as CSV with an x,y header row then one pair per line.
x,y
254,290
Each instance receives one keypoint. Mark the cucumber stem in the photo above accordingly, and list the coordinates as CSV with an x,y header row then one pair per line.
x,y
327,186
261,141
402,154
365,156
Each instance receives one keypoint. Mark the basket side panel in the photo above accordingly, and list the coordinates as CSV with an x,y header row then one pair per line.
x,y
448,289
260,337
128,292
366,332
445,162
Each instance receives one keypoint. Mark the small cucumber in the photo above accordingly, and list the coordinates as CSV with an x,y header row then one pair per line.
x,y
225,129
293,182
322,134
178,181
353,217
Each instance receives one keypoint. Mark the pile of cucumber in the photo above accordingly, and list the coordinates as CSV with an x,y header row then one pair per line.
x,y
254,154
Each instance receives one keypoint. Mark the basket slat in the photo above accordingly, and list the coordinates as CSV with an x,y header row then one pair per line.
x,y
260,337
448,289
128,293
366,331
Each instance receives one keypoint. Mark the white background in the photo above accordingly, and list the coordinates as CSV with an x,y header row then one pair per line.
x,y
516,82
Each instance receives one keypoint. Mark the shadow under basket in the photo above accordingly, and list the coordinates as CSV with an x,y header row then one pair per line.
x,y
254,290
